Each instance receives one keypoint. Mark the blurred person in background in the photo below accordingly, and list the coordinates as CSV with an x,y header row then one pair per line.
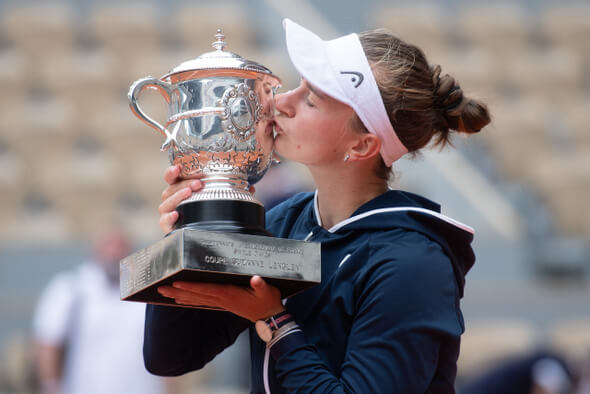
x,y
86,339
539,372
279,183
386,316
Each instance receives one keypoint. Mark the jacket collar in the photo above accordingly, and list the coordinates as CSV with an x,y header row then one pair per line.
x,y
390,202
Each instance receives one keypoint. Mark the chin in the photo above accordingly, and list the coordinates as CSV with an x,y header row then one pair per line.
x,y
280,148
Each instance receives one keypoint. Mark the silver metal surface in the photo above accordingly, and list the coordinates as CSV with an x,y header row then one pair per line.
x,y
216,60
197,255
220,109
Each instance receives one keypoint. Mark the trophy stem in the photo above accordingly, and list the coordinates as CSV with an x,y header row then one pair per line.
x,y
219,187
244,217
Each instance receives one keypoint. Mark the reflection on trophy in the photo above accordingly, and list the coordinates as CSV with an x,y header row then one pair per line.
x,y
220,109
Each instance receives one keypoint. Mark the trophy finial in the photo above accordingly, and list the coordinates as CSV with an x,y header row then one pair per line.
x,y
220,43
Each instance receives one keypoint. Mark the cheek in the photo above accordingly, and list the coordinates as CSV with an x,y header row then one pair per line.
x,y
310,136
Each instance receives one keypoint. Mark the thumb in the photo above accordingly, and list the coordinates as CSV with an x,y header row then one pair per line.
x,y
257,283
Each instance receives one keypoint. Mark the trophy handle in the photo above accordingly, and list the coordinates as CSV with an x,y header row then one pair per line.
x,y
164,88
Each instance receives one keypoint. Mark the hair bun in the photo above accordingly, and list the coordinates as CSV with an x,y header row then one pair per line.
x,y
458,112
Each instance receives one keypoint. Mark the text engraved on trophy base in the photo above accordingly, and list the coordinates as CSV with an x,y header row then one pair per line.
x,y
250,263
209,256
240,254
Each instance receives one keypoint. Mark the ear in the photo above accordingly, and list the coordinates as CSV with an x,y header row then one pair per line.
x,y
366,146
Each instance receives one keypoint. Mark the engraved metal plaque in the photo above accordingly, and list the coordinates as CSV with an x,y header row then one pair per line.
x,y
207,256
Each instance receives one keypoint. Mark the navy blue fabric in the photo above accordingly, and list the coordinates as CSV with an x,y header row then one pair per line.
x,y
386,320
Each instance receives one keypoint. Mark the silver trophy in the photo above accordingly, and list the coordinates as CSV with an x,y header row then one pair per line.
x,y
220,109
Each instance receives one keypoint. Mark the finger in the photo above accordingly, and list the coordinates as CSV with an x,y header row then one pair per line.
x,y
172,174
257,283
167,221
194,184
188,298
170,204
176,293
169,291
260,285
262,289
197,300
220,295
207,289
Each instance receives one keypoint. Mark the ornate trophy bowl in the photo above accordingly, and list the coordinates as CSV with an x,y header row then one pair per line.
x,y
220,109
219,126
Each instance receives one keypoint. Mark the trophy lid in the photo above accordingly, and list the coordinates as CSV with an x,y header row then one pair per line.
x,y
216,60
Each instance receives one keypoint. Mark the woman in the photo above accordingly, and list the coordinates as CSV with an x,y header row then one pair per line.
x,y
386,317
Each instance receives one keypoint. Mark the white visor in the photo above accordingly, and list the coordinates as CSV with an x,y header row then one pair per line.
x,y
340,69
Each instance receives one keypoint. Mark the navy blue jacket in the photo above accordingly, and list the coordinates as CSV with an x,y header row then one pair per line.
x,y
385,318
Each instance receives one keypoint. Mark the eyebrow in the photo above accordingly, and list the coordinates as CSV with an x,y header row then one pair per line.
x,y
315,91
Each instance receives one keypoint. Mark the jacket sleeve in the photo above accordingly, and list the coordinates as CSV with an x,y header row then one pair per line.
x,y
180,340
405,313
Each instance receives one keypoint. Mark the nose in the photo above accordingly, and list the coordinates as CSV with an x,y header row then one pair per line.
x,y
283,104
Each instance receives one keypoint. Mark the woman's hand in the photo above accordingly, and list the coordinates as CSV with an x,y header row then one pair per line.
x,y
177,191
259,301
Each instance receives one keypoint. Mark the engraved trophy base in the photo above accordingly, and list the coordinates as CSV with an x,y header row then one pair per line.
x,y
228,250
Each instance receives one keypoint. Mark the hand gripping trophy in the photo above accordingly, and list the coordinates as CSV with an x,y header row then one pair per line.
x,y
220,109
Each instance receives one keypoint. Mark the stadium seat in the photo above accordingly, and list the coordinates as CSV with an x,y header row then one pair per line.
x,y
572,336
577,120
422,24
518,124
37,127
39,28
116,127
566,25
280,66
16,373
555,74
486,342
48,226
195,25
126,28
565,186
80,77
475,69
140,218
502,27
13,75
12,176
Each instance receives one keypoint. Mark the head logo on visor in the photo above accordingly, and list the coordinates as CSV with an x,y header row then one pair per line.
x,y
356,79
340,69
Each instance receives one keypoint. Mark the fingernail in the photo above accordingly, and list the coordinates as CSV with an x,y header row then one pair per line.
x,y
196,184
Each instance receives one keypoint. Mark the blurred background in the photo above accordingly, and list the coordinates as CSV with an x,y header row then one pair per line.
x,y
74,160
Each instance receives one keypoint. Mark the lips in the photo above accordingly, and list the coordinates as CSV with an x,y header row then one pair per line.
x,y
277,128
269,131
